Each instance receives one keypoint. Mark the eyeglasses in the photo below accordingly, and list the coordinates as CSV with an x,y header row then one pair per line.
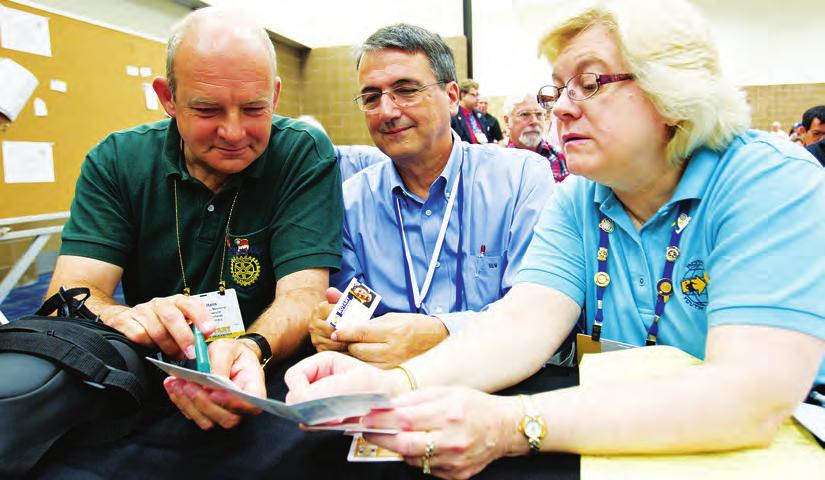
x,y
526,116
403,95
580,87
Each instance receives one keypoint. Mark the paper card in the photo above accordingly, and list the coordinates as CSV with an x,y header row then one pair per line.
x,y
225,311
811,417
145,71
58,86
28,162
350,428
18,84
150,97
361,450
132,70
25,32
40,109
357,304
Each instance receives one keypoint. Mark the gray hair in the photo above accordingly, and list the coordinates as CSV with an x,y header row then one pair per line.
x,y
413,39
180,29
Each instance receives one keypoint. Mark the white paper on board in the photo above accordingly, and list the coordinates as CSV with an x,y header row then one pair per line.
x,y
40,109
145,71
150,97
59,86
25,32
28,162
16,87
132,70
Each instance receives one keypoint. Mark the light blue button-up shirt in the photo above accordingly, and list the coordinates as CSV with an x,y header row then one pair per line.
x,y
751,254
504,191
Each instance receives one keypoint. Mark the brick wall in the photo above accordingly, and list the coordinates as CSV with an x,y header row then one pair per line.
x,y
330,83
784,103
290,65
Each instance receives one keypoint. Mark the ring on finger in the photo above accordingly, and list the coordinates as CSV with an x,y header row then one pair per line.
x,y
429,450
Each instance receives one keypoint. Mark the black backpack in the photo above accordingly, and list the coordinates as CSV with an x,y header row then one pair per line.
x,y
69,377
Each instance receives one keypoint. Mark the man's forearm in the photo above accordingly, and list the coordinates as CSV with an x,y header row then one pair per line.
x,y
285,324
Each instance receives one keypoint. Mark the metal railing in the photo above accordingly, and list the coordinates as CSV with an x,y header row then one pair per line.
x,y
41,237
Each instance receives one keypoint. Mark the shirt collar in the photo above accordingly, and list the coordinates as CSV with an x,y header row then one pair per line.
x,y
697,174
450,171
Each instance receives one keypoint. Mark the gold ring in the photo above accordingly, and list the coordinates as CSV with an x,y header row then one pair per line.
x,y
429,450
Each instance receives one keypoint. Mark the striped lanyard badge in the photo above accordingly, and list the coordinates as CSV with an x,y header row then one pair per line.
x,y
664,287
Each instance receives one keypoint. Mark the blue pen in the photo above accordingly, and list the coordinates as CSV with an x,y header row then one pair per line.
x,y
201,352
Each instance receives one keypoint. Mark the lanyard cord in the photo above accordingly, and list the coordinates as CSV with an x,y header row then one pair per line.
x,y
221,282
416,297
664,287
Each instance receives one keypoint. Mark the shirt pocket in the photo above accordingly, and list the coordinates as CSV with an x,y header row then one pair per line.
x,y
482,282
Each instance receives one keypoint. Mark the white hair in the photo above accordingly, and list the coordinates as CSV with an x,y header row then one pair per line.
x,y
667,45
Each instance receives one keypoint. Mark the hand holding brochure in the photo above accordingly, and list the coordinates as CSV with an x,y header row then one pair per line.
x,y
313,412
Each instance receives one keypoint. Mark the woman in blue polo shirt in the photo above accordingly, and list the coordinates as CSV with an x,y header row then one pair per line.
x,y
682,228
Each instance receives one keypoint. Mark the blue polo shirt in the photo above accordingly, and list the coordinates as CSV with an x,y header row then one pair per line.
x,y
502,194
751,255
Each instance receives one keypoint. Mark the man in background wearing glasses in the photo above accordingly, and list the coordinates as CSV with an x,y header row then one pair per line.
x,y
527,121
440,230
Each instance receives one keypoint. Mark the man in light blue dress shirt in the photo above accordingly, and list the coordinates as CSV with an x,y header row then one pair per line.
x,y
440,230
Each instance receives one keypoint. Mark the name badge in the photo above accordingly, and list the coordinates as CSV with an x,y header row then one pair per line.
x,y
226,312
481,138
585,344
357,304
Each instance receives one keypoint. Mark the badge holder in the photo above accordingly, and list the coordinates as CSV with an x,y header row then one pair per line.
x,y
585,344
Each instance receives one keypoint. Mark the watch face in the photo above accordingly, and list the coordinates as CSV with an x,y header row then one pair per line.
x,y
532,428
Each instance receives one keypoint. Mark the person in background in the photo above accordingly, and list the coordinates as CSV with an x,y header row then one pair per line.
x,y
668,178
776,131
527,122
812,129
467,121
492,128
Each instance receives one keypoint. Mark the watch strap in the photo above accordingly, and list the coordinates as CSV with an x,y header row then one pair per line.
x,y
263,345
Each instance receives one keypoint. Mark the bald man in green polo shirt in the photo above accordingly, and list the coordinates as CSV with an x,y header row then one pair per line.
x,y
224,198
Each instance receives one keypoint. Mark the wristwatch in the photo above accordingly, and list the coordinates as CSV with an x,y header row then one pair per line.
x,y
263,344
531,425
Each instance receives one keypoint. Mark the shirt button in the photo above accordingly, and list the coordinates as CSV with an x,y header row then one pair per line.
x,y
210,208
642,281
428,212
438,309
437,264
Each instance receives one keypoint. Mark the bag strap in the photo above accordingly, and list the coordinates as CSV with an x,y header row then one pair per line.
x,y
78,350
66,304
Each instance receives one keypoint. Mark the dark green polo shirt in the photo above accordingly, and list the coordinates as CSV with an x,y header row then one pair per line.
x,y
287,216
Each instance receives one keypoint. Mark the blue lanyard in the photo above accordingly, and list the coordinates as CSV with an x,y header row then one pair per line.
x,y
459,279
664,287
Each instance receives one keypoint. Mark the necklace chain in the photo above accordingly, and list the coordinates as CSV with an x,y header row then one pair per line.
x,y
221,282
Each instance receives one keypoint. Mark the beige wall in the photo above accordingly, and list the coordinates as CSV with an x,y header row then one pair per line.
x,y
785,103
290,65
